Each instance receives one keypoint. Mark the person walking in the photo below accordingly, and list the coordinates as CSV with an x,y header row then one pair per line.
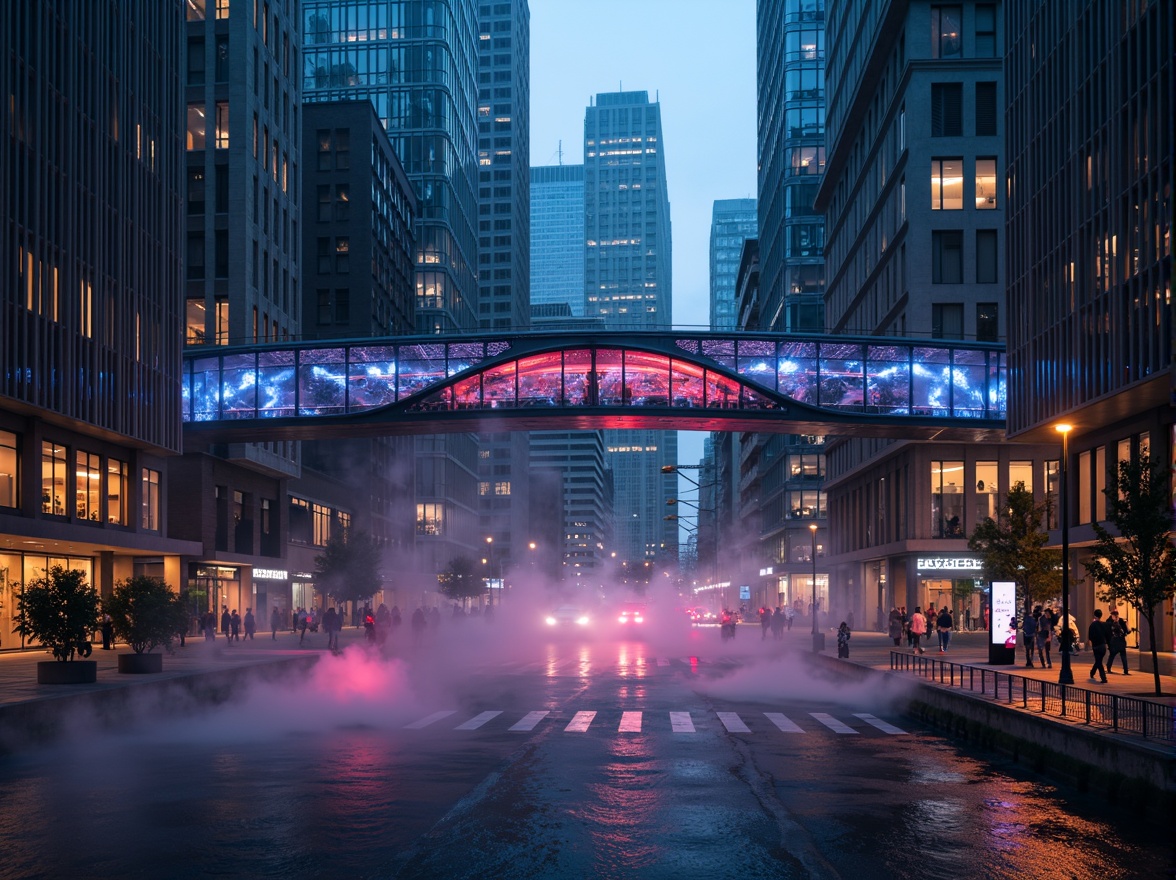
x,y
332,623
1029,630
906,625
303,624
107,632
226,621
843,634
777,623
1117,632
1044,638
418,625
234,626
918,630
1096,636
275,622
765,617
894,625
943,626
789,616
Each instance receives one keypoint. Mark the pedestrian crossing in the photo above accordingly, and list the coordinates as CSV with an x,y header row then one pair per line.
x,y
632,721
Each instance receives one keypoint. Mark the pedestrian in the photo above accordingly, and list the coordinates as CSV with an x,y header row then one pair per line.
x,y
843,634
250,624
303,624
918,630
906,625
789,616
396,617
1096,635
107,632
943,626
765,617
968,618
294,619
226,621
418,625
1029,630
1117,631
777,623
275,622
234,626
1044,638
894,625
208,626
332,623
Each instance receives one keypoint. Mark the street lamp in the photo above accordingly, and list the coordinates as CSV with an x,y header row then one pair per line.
x,y
490,561
818,637
1065,674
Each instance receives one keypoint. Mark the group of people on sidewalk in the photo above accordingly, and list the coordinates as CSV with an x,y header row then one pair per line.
x,y
917,626
231,624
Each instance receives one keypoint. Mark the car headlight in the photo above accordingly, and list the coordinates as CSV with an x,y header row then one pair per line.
x,y
582,621
551,621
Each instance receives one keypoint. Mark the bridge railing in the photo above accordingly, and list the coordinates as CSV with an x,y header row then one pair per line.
x,y
1113,712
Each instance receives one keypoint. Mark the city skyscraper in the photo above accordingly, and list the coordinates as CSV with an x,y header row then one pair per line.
x,y
557,236
627,283
733,221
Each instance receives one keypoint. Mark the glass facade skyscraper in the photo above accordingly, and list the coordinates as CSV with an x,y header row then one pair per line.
x,y
557,236
733,221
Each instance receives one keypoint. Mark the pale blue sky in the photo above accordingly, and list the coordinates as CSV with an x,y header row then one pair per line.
x,y
697,57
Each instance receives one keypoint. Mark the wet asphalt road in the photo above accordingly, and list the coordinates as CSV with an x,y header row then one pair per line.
x,y
701,760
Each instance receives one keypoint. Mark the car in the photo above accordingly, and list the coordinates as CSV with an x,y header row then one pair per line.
x,y
631,616
701,616
568,617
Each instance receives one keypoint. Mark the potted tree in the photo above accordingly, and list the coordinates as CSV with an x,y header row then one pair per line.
x,y
60,610
146,614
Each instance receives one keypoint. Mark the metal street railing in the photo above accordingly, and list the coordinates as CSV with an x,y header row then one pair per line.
x,y
1107,711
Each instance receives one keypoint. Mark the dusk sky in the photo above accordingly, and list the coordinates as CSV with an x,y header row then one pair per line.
x,y
697,58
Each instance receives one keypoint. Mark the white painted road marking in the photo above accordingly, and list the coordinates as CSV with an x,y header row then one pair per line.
x,y
477,721
630,722
884,726
783,723
681,723
580,722
425,722
733,722
529,721
832,723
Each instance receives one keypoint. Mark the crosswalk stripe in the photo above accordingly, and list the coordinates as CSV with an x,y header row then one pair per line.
x,y
529,721
426,721
630,722
733,722
783,723
580,722
681,723
832,723
884,726
477,721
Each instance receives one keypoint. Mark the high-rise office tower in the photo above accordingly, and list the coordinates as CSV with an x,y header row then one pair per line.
x,y
417,63
557,236
627,282
1090,245
91,313
504,238
914,121
782,474
733,221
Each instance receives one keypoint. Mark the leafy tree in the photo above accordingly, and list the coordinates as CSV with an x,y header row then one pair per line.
x,y
146,613
349,568
1137,566
459,581
1012,548
59,610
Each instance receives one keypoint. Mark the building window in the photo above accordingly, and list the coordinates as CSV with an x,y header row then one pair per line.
x,y
222,8
150,501
324,204
947,184
53,474
947,256
946,40
88,486
195,62
986,256
197,127
947,320
986,113
196,191
985,31
502,487
118,476
985,498
221,62
1053,480
195,261
342,255
947,499
430,519
9,472
222,320
985,184
946,110
222,125
987,322
1021,472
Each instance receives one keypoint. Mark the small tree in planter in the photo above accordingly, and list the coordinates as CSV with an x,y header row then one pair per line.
x,y
60,610
146,614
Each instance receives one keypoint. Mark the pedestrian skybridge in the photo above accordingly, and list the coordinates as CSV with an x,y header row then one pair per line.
x,y
925,389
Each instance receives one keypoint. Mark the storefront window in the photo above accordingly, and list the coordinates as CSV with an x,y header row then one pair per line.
x,y
985,497
89,486
53,464
9,476
947,499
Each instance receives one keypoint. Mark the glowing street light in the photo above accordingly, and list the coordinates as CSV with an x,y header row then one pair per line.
x,y
1065,674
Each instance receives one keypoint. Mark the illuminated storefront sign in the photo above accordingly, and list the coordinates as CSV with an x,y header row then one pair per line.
x,y
949,563
764,572
270,574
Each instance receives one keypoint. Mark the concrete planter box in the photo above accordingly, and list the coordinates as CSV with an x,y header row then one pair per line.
x,y
70,672
140,664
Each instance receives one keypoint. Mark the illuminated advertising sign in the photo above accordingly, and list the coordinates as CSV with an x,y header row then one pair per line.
x,y
270,574
949,563
1003,620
